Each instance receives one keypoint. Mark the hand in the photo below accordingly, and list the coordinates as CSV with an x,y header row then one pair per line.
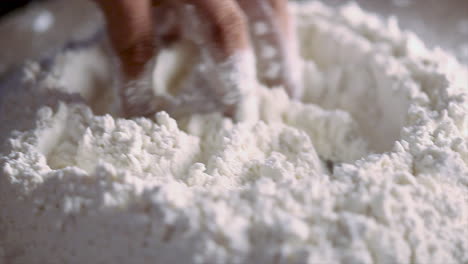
x,y
223,34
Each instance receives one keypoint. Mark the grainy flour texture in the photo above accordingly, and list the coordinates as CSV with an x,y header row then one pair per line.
x,y
370,167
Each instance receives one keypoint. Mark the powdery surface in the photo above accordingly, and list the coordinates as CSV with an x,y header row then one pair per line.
x,y
383,180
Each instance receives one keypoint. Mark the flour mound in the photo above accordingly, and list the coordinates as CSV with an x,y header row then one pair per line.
x,y
370,167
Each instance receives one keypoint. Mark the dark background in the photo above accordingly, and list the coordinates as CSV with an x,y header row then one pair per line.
x,y
11,5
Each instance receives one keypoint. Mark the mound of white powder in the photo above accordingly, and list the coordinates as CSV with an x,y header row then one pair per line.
x,y
372,166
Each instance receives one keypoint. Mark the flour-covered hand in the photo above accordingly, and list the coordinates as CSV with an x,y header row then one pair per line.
x,y
222,29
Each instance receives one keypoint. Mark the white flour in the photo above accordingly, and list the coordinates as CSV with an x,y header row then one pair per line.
x,y
76,187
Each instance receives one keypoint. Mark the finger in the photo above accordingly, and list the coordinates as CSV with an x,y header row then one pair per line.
x,y
229,65
280,8
269,25
226,26
130,28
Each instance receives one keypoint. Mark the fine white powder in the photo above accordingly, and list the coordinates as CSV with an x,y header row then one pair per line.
x,y
371,166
